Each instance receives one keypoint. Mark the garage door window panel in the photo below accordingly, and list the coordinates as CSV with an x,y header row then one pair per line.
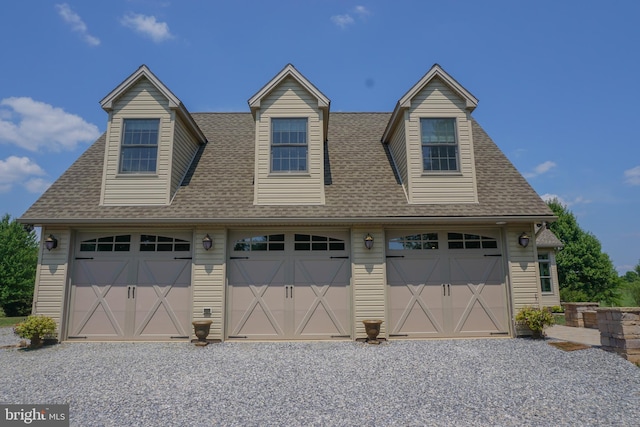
x,y
471,241
424,241
263,243
151,243
310,242
120,243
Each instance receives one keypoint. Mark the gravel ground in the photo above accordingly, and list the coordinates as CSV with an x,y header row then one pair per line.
x,y
485,382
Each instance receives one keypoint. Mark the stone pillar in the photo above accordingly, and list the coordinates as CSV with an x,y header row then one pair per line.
x,y
573,312
620,331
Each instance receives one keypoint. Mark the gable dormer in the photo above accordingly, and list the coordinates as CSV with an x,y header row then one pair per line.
x,y
151,141
291,121
431,142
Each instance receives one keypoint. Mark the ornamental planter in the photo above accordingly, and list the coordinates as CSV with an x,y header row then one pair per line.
x,y
201,329
372,328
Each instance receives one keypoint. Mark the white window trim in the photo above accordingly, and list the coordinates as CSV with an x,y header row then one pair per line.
x,y
458,171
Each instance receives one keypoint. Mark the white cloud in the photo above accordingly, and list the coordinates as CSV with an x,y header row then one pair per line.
x,y
362,11
579,200
76,23
33,125
20,170
632,176
147,26
541,169
37,185
342,21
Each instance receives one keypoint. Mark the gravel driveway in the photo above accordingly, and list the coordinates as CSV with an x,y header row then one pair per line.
x,y
506,382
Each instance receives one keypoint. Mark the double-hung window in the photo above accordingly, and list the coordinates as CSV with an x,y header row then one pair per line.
x,y
139,148
544,265
289,145
439,144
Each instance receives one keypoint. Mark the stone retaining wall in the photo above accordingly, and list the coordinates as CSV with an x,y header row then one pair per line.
x,y
590,319
620,331
573,312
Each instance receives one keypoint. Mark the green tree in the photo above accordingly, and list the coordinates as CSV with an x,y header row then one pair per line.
x,y
631,282
584,271
18,261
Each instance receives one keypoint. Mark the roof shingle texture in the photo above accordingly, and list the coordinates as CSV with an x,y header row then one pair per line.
x,y
359,181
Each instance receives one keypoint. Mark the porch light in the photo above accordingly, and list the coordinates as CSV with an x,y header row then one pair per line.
x,y
207,242
368,241
50,242
523,240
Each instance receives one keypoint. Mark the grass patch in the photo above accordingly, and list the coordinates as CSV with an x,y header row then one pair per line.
x,y
559,318
569,346
10,321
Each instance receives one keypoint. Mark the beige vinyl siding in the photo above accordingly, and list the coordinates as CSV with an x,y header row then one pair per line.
x,y
51,276
523,269
369,279
289,100
438,101
185,146
208,279
398,148
142,101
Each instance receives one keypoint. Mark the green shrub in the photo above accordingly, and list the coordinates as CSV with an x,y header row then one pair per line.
x,y
535,318
557,309
35,326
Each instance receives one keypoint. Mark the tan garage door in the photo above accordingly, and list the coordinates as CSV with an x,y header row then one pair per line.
x,y
288,286
446,284
131,287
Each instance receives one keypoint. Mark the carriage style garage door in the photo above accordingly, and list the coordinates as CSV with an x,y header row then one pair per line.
x,y
288,286
131,287
446,284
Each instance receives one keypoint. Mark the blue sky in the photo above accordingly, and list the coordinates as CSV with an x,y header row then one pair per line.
x,y
558,81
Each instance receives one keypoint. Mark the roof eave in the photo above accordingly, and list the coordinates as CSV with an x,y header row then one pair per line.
x,y
483,220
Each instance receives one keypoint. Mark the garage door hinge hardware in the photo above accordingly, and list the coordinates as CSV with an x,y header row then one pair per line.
x,y
446,289
499,333
340,336
79,257
239,257
395,256
398,335
182,257
73,338
492,254
237,336
179,337
339,257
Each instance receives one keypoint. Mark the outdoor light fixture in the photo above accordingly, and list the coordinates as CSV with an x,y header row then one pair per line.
x,y
50,242
368,241
207,242
523,240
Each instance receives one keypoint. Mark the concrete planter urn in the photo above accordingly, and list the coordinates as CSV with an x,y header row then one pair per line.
x,y
201,329
372,328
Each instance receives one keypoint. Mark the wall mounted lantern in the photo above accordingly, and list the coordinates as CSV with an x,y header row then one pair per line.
x,y
368,241
207,242
50,242
523,240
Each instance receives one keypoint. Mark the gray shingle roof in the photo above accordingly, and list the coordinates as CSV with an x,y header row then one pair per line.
x,y
360,184
546,238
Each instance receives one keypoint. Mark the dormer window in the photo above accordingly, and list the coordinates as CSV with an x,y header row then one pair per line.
x,y
289,145
439,144
139,148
